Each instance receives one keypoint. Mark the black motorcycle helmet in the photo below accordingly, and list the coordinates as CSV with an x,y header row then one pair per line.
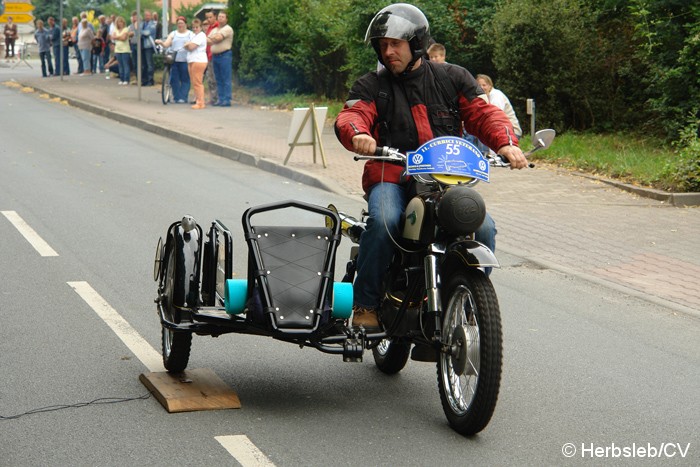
x,y
400,21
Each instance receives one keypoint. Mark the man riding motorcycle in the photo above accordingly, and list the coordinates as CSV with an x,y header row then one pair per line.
x,y
409,102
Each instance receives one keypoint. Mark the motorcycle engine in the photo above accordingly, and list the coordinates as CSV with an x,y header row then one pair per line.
x,y
461,210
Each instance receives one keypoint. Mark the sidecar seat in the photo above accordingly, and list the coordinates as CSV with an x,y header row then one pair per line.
x,y
291,268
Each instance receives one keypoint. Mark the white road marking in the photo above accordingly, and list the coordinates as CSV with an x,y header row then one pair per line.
x,y
28,233
239,446
244,451
133,340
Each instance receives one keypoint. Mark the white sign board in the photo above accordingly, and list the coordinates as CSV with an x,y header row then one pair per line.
x,y
298,118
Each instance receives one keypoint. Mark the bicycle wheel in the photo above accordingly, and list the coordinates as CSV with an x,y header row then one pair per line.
x,y
166,89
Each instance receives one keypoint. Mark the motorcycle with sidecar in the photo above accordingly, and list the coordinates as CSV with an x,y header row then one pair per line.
x,y
439,304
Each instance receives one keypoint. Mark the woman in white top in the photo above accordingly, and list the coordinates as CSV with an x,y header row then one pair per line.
x,y
197,62
500,100
179,74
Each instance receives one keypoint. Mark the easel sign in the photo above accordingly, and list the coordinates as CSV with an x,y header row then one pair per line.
x,y
305,130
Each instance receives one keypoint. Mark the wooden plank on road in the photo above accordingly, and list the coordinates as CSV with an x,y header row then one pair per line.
x,y
192,390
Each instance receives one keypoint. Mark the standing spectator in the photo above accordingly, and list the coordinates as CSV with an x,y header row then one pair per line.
x,y
67,44
197,62
85,37
212,24
148,32
74,39
221,40
500,100
43,41
179,73
10,38
96,53
437,53
103,35
55,33
122,49
159,26
133,42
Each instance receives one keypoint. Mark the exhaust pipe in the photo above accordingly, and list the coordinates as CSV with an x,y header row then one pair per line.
x,y
349,226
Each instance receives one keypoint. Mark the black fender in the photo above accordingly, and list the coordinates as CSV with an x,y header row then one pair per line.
x,y
468,253
185,242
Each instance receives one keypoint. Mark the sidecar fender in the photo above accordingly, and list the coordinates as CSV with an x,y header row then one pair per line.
x,y
471,253
185,241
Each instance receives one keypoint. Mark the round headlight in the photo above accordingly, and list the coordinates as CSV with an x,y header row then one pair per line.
x,y
461,210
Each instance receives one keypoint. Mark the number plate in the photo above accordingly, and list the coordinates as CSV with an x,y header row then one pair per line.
x,y
448,155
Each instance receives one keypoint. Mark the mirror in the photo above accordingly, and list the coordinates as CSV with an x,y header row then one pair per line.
x,y
543,139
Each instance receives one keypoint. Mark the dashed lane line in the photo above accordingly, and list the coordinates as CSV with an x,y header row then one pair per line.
x,y
239,446
244,451
121,327
29,234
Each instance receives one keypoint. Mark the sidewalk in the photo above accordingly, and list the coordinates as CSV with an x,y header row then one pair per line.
x,y
554,219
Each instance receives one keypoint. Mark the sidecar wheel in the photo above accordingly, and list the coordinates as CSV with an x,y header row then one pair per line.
x,y
391,356
176,344
469,373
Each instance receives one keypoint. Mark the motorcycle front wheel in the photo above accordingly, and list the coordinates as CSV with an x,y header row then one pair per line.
x,y
469,367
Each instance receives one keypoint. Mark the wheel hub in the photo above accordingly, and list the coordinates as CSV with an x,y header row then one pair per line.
x,y
465,350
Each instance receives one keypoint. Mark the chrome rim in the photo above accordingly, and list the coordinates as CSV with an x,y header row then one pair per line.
x,y
383,347
167,342
460,389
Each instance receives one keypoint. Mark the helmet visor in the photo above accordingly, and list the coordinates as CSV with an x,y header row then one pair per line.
x,y
390,25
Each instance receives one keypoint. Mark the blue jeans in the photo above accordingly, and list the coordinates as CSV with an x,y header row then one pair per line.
x,y
86,57
222,70
124,62
57,59
66,65
147,66
79,57
386,205
180,81
46,60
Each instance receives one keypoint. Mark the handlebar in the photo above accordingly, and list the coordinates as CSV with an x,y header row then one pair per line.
x,y
385,153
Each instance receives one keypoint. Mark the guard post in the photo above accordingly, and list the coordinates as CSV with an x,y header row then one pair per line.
x,y
530,105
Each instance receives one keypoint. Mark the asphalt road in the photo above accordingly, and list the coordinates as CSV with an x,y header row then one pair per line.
x,y
584,364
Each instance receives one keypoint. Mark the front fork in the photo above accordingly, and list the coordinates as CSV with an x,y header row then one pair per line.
x,y
432,286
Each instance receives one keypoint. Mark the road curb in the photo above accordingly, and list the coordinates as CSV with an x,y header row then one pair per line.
x,y
675,199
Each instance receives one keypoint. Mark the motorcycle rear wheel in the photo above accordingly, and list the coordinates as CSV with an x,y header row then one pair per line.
x,y
469,389
176,345
391,355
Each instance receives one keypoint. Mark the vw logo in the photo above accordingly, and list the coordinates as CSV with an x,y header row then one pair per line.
x,y
482,165
417,159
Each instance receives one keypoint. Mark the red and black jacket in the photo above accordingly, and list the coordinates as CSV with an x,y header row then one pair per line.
x,y
419,112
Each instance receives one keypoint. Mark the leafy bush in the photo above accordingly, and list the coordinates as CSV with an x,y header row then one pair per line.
x,y
682,173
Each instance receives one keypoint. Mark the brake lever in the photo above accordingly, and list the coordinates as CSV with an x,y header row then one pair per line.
x,y
499,161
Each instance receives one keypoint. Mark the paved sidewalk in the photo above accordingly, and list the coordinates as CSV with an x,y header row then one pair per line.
x,y
554,219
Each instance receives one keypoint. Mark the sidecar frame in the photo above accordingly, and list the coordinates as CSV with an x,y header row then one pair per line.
x,y
210,263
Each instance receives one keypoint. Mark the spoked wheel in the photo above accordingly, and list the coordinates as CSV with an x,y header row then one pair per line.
x,y
176,344
166,89
469,372
391,355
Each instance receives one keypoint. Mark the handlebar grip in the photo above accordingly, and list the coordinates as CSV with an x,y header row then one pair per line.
x,y
381,151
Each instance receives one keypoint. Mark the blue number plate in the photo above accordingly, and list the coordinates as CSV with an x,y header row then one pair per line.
x,y
448,155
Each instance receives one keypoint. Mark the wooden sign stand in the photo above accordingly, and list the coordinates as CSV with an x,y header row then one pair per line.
x,y
310,118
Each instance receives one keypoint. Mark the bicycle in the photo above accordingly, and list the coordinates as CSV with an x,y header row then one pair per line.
x,y
166,87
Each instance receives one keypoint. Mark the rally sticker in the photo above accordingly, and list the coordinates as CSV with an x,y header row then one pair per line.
x,y
448,155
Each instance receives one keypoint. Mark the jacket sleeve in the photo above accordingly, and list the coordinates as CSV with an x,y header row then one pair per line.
x,y
359,113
